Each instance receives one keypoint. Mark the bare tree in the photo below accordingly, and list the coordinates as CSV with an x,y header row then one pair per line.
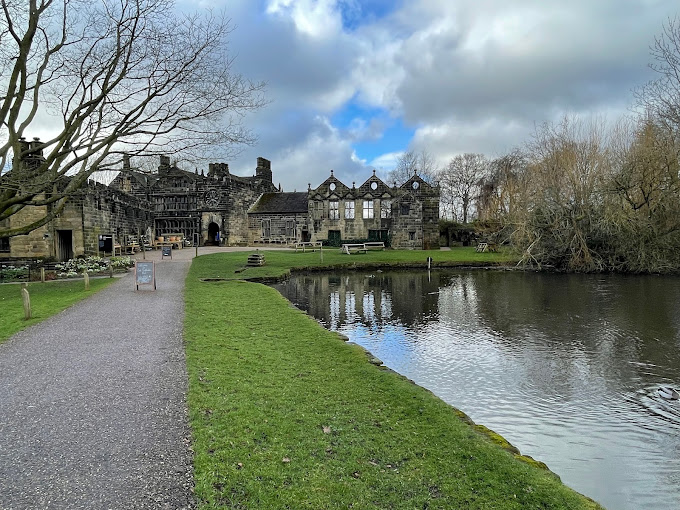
x,y
660,98
460,182
109,77
503,188
409,163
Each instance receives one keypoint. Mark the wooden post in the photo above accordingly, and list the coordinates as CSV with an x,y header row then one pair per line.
x,y
87,280
110,269
27,302
141,243
42,274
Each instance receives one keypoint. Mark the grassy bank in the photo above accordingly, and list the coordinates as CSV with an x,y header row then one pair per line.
x,y
280,262
286,415
47,299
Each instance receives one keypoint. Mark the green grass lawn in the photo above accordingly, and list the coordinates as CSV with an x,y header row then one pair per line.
x,y
285,414
280,262
47,299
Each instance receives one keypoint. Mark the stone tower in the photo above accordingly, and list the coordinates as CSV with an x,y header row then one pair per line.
x,y
264,169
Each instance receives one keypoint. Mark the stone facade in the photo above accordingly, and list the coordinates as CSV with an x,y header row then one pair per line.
x,y
96,210
214,206
406,217
226,209
279,218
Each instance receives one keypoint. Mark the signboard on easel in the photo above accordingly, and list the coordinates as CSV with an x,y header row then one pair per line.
x,y
145,274
166,251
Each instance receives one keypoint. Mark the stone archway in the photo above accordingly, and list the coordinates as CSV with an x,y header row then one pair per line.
x,y
213,234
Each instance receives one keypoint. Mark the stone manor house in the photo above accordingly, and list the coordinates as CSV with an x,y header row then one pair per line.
x,y
226,209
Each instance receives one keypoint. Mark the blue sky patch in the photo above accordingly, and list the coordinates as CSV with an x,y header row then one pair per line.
x,y
373,131
356,13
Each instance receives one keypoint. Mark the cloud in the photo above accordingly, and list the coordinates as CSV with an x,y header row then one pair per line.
x,y
464,76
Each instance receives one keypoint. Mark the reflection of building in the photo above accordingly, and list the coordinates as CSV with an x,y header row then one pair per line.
x,y
350,298
225,209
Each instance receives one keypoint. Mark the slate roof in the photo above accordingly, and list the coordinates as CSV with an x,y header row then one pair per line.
x,y
294,202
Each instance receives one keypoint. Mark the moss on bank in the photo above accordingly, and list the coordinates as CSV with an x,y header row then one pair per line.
x,y
287,415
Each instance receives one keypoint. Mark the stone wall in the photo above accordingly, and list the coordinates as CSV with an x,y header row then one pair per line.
x,y
288,226
35,244
96,210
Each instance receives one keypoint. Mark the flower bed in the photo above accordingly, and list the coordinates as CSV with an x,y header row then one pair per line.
x,y
92,265
9,273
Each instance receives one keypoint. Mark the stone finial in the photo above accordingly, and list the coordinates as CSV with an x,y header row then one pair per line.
x,y
126,162
374,172
331,172
309,186
353,184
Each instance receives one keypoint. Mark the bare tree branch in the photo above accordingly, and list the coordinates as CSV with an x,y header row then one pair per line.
x,y
116,77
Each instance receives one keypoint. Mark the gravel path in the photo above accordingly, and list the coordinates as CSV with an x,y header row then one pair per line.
x,y
93,402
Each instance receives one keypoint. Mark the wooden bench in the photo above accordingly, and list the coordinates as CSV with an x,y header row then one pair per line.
x,y
376,245
316,245
349,249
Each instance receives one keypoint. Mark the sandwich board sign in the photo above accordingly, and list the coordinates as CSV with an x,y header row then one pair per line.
x,y
166,251
145,273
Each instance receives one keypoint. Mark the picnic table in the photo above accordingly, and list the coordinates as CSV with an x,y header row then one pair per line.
x,y
374,245
350,249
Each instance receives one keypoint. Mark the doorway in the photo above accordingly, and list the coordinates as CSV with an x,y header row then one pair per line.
x,y
213,234
64,245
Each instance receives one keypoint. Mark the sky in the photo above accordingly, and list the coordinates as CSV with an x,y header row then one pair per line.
x,y
352,84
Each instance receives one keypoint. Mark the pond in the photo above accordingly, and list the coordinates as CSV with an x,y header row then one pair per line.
x,y
566,367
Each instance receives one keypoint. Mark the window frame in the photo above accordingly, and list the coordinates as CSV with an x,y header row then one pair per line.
x,y
368,212
333,210
349,210
385,209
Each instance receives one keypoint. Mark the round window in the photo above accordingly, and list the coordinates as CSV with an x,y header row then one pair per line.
x,y
415,184
212,198
374,185
332,186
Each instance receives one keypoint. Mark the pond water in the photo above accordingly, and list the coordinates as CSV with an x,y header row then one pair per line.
x,y
566,367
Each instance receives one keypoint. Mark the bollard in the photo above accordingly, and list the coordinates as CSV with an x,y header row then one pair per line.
x,y
86,277
42,274
26,298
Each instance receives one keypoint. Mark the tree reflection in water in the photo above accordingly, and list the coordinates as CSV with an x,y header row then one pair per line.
x,y
565,366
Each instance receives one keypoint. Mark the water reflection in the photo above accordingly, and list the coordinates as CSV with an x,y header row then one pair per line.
x,y
565,366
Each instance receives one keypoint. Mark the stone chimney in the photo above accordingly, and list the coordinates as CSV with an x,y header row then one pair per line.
x,y
164,165
29,152
264,169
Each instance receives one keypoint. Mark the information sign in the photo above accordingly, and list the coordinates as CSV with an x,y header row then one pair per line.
x,y
166,251
145,273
